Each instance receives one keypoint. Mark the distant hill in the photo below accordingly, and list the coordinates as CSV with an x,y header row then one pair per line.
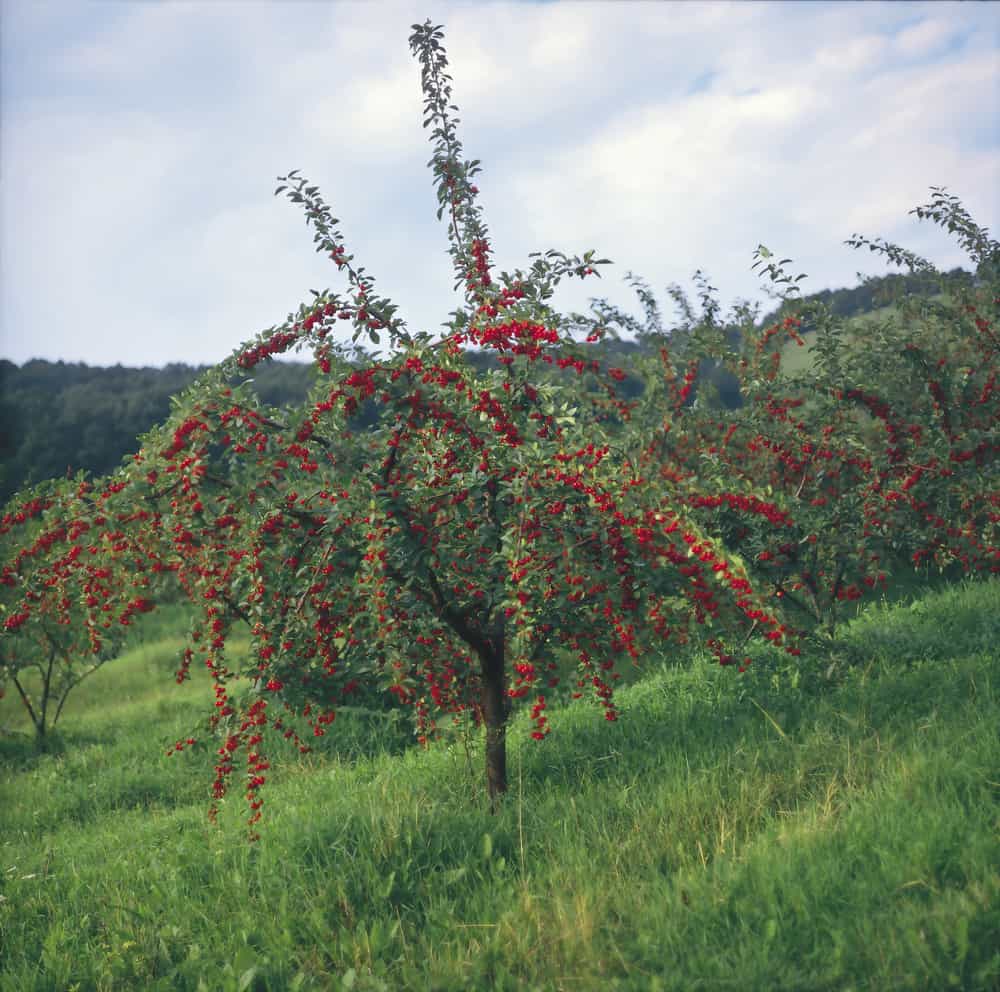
x,y
57,418
878,292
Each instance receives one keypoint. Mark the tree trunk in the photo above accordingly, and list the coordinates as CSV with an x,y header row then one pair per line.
x,y
39,724
496,708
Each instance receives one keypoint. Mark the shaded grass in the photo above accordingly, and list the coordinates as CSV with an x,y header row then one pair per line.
x,y
724,833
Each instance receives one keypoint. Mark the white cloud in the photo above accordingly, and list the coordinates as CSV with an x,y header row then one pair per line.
x,y
921,38
141,144
852,55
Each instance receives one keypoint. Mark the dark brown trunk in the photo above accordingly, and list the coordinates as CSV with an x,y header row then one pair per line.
x,y
39,725
496,708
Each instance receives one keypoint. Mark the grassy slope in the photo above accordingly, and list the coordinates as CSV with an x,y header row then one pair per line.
x,y
797,358
725,833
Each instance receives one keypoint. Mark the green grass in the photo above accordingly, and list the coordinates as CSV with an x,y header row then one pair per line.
x,y
726,833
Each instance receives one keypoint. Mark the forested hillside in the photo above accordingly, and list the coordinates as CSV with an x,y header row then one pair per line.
x,y
873,294
57,418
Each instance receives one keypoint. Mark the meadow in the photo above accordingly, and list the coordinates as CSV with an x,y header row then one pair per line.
x,y
829,827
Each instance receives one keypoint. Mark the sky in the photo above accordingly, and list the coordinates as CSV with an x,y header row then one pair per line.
x,y
140,144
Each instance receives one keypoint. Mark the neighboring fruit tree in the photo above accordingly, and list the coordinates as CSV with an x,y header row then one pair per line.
x,y
70,588
880,454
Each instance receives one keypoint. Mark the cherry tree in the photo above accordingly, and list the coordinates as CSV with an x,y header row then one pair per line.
x,y
464,532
